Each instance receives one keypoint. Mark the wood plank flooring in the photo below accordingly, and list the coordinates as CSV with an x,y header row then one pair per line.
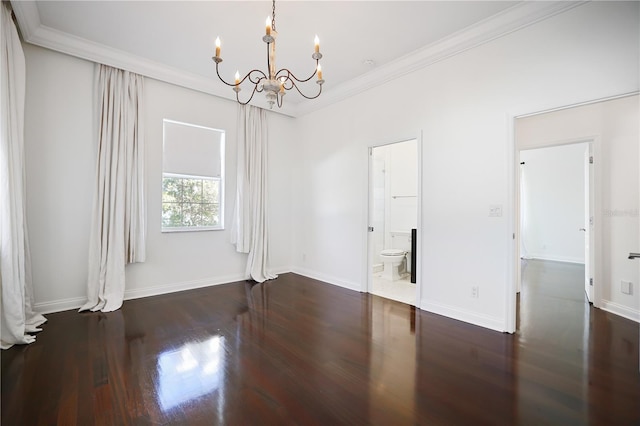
x,y
297,351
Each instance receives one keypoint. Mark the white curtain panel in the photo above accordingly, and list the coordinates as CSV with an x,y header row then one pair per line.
x,y
118,223
250,230
18,318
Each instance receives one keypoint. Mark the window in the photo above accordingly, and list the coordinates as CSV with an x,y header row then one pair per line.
x,y
192,177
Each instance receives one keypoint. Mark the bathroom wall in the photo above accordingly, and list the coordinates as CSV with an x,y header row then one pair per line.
x,y
402,184
395,189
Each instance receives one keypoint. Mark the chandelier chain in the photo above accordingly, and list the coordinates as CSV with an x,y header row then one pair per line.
x,y
273,21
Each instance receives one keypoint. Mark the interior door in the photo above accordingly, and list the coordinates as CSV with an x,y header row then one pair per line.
x,y
370,225
636,255
588,223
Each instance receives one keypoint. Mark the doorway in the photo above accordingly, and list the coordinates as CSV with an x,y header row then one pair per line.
x,y
393,220
556,207
613,130
555,135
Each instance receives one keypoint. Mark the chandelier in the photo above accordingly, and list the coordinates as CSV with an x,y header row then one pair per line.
x,y
275,83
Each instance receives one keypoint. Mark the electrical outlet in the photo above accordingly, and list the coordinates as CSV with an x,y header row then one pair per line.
x,y
475,291
626,287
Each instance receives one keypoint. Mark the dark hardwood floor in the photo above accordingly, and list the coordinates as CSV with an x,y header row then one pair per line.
x,y
296,351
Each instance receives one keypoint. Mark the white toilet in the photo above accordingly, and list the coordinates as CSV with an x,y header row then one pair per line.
x,y
394,263
396,256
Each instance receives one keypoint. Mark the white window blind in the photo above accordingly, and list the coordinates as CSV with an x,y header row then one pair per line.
x,y
192,150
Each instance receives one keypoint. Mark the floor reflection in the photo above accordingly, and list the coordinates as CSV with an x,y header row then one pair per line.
x,y
192,371
554,315
393,361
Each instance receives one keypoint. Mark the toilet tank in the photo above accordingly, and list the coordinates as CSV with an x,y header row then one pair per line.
x,y
401,240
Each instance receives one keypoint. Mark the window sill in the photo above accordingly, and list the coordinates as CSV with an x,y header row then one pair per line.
x,y
192,229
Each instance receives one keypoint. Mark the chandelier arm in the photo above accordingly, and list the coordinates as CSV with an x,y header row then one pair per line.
x,y
305,96
249,100
248,75
291,75
220,77
251,77
289,82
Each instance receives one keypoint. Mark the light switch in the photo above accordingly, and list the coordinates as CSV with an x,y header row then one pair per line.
x,y
495,210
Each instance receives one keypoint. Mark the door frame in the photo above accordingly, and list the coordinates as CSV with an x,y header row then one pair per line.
x,y
368,243
590,142
513,258
589,217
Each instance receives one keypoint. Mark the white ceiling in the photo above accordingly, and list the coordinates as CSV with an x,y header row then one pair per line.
x,y
174,40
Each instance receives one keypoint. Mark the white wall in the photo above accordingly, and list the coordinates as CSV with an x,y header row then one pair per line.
x,y
616,126
464,105
61,154
60,157
553,202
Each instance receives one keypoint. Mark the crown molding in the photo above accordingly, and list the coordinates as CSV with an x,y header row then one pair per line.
x,y
28,17
508,21
35,33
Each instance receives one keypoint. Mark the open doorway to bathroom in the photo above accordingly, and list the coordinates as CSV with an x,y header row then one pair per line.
x,y
393,218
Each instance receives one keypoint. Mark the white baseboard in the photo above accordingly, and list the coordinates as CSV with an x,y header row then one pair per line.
x,y
327,279
453,312
137,293
281,269
470,317
621,310
59,305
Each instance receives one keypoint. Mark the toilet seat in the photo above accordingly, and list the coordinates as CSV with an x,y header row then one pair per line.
x,y
394,263
392,252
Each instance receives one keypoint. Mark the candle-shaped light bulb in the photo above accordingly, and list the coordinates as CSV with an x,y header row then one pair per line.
x,y
237,78
319,72
217,47
282,79
316,41
268,24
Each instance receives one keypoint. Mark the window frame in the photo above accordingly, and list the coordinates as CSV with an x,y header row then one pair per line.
x,y
221,183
